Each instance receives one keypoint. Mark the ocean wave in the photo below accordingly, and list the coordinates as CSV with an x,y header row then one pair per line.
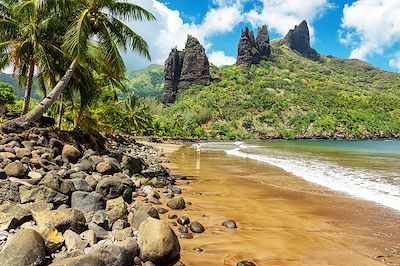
x,y
361,183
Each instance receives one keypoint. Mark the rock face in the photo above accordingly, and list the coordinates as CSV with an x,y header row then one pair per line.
x,y
185,68
298,39
251,51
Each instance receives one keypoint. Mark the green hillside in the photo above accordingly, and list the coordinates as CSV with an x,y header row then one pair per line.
x,y
148,82
291,97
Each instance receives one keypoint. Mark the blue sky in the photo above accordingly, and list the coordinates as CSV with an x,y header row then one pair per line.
x,y
363,29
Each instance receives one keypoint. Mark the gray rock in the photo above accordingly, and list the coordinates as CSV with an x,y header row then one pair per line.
x,y
12,216
87,201
26,247
74,242
82,260
41,193
186,236
298,39
157,242
137,218
133,165
183,230
3,174
183,220
196,227
230,224
9,191
119,254
112,187
245,263
176,203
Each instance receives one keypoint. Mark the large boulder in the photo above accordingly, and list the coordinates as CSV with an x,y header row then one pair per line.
x,y
113,187
298,39
157,242
133,165
62,220
71,153
116,254
82,260
87,201
26,247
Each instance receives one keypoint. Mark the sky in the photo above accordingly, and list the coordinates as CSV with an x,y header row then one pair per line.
x,y
364,29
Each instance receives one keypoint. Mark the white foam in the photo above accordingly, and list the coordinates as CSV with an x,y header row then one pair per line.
x,y
360,183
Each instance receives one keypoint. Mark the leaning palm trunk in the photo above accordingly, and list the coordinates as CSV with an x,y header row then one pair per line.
x,y
27,120
27,97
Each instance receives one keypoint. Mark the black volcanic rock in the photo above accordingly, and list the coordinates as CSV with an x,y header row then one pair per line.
x,y
262,41
195,68
185,68
251,51
172,72
298,39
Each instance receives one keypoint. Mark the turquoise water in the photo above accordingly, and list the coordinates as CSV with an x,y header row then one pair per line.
x,y
368,170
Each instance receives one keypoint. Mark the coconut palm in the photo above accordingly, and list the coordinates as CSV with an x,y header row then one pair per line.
x,y
94,39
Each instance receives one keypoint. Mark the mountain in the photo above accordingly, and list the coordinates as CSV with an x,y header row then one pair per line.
x,y
8,78
148,82
291,96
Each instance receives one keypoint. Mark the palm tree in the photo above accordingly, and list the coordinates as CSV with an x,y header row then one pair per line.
x,y
138,114
94,39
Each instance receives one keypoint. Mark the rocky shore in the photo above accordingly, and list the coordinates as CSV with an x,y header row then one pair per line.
x,y
65,200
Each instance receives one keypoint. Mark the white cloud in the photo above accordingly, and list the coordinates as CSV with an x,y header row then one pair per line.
x,y
219,58
395,61
283,15
171,31
370,26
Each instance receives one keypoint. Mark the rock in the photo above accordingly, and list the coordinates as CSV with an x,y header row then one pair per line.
x,y
100,218
262,41
245,263
157,242
71,153
22,152
16,169
176,203
53,239
8,155
186,236
119,224
100,232
198,250
122,234
230,224
35,175
133,165
183,220
87,201
137,218
106,168
82,260
84,166
9,191
41,193
116,210
3,174
74,242
148,208
62,220
298,39
148,263
162,211
113,187
26,247
119,254
90,237
81,185
12,216
183,230
183,69
172,216
196,227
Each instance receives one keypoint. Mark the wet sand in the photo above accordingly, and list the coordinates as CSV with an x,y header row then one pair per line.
x,y
282,219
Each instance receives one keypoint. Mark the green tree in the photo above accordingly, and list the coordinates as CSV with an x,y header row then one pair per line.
x,y
94,39
6,96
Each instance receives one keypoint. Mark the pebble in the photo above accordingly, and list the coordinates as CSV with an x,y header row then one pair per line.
x,y
182,220
186,236
172,216
183,230
231,224
162,210
198,250
196,227
245,263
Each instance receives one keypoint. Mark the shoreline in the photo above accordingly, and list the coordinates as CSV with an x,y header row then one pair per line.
x,y
346,229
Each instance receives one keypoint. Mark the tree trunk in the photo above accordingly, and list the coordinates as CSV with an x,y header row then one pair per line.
x,y
37,112
29,81
60,112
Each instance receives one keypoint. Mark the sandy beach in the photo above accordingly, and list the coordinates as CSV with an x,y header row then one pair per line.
x,y
282,220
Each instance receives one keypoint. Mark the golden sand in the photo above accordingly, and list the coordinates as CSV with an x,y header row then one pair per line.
x,y
282,219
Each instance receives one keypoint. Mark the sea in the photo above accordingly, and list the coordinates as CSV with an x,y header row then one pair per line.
x,y
369,170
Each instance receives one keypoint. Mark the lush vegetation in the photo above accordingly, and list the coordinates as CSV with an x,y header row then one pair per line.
x,y
291,97
75,61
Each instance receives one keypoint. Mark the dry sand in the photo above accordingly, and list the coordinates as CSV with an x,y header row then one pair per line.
x,y
282,219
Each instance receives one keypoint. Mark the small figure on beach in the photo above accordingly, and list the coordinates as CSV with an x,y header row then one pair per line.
x,y
198,147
